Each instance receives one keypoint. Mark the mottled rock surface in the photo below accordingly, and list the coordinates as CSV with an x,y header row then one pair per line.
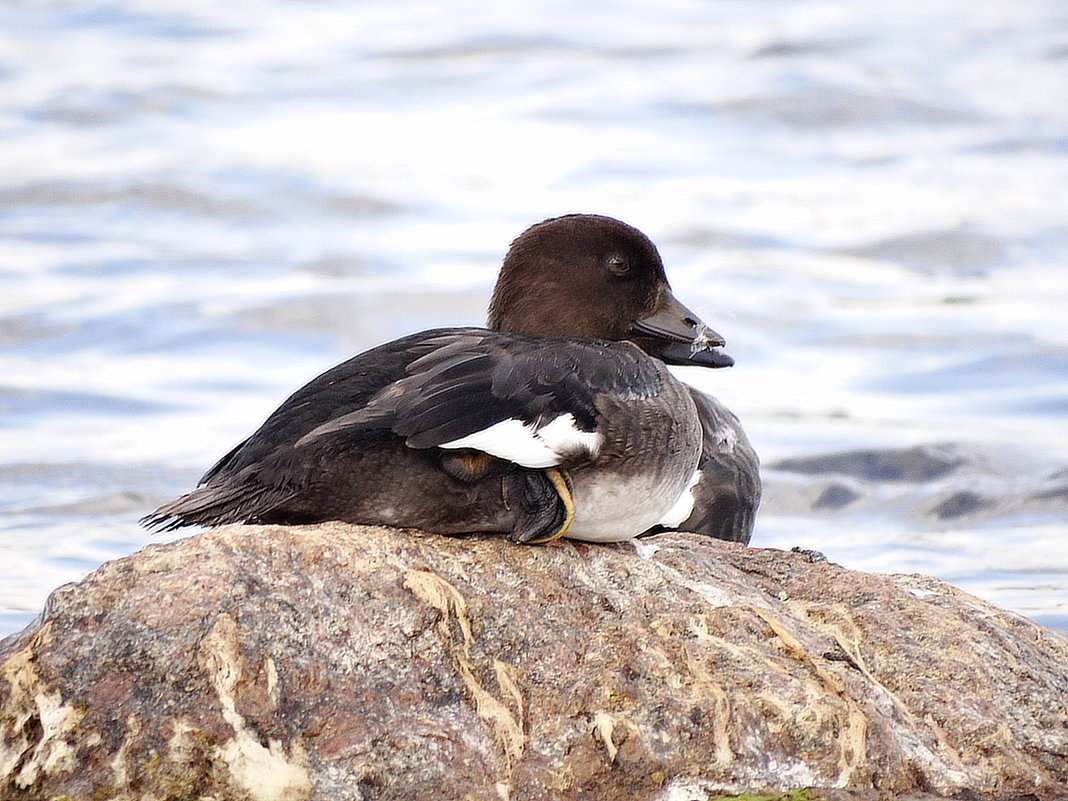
x,y
340,662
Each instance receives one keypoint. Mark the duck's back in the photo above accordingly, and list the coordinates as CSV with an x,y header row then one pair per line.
x,y
341,390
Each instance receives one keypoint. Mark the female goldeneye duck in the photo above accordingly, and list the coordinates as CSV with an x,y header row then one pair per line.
x,y
560,418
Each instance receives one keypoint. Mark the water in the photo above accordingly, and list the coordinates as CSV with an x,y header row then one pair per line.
x,y
202,205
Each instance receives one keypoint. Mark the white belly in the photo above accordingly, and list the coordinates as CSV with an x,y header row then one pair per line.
x,y
612,508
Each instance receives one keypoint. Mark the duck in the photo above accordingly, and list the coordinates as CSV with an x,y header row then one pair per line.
x,y
559,418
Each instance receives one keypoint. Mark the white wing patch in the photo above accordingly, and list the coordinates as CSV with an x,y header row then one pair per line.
x,y
530,446
683,508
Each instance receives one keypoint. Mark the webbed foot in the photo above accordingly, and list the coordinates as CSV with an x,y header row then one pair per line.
x,y
546,505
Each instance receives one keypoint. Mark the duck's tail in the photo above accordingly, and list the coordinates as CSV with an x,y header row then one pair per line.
x,y
216,505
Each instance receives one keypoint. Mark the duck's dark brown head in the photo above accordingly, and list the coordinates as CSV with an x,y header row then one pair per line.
x,y
586,275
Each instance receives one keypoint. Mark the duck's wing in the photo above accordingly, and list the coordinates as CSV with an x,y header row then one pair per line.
x,y
533,401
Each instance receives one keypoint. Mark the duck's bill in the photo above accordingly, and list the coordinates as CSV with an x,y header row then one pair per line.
x,y
678,353
677,336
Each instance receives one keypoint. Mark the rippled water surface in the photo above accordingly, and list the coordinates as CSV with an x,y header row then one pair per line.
x,y
202,205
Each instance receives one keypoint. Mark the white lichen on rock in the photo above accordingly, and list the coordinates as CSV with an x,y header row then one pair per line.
x,y
266,772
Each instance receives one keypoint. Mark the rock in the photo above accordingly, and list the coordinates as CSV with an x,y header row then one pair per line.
x,y
340,662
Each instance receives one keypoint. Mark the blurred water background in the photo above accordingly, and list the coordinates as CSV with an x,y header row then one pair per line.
x,y
203,205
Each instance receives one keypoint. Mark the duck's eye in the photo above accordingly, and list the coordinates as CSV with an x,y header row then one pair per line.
x,y
617,264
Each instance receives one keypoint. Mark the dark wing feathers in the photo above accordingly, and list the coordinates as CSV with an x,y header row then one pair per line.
x,y
462,382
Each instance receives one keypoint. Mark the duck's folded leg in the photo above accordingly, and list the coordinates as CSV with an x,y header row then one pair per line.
x,y
545,504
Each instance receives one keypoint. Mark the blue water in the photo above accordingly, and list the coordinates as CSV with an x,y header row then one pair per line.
x,y
202,205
